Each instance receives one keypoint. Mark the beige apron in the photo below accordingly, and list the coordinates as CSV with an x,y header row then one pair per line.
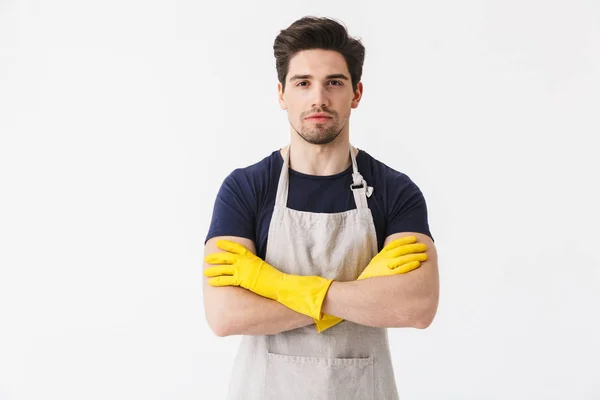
x,y
347,361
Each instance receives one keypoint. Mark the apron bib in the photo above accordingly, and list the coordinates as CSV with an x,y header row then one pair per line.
x,y
347,361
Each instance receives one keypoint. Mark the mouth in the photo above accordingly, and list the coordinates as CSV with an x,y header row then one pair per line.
x,y
318,119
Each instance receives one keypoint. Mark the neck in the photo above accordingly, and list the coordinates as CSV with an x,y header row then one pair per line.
x,y
320,159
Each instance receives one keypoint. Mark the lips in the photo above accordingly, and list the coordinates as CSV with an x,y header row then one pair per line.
x,y
319,117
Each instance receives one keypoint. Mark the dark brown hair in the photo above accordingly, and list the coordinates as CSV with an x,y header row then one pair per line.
x,y
318,33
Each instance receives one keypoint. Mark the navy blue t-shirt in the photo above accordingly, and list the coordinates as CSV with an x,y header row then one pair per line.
x,y
246,199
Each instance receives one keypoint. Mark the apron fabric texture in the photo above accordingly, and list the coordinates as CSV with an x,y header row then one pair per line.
x,y
347,361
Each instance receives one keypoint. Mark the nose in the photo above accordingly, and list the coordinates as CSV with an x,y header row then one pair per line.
x,y
320,99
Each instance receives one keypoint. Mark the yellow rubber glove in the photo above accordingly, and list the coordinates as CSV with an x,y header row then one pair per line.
x,y
397,257
240,267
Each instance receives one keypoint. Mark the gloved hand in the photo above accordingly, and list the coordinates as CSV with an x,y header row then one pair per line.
x,y
397,257
240,267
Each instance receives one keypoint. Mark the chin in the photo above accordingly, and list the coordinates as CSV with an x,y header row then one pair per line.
x,y
319,139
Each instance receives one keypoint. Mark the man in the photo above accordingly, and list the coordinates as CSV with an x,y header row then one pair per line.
x,y
318,248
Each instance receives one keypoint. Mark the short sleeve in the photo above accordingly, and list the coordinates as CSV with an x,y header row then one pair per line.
x,y
407,210
234,209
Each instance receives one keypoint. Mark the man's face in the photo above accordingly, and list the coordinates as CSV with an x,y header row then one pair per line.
x,y
318,81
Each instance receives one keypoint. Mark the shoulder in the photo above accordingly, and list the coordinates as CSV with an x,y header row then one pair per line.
x,y
386,178
251,185
257,174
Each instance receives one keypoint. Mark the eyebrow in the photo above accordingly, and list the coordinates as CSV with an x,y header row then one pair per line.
x,y
332,76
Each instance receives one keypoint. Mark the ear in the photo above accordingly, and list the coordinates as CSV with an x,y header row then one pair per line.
x,y
357,95
281,96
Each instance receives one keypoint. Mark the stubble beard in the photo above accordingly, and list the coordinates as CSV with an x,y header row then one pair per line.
x,y
319,134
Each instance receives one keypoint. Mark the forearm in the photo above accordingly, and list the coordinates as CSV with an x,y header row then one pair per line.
x,y
237,311
405,300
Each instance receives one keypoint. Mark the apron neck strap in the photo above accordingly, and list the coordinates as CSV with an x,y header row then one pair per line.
x,y
282,186
359,186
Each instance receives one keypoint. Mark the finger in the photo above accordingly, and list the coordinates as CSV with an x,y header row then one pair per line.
x,y
400,242
397,262
403,269
220,258
407,249
222,281
218,271
230,246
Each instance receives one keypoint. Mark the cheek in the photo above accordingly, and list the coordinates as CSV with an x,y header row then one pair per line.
x,y
294,112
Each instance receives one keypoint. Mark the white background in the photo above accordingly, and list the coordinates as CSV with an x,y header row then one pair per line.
x,y
120,119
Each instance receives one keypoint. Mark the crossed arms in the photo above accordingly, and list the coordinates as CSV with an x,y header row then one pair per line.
x,y
404,300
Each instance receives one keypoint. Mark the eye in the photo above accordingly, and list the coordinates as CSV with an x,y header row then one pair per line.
x,y
338,83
